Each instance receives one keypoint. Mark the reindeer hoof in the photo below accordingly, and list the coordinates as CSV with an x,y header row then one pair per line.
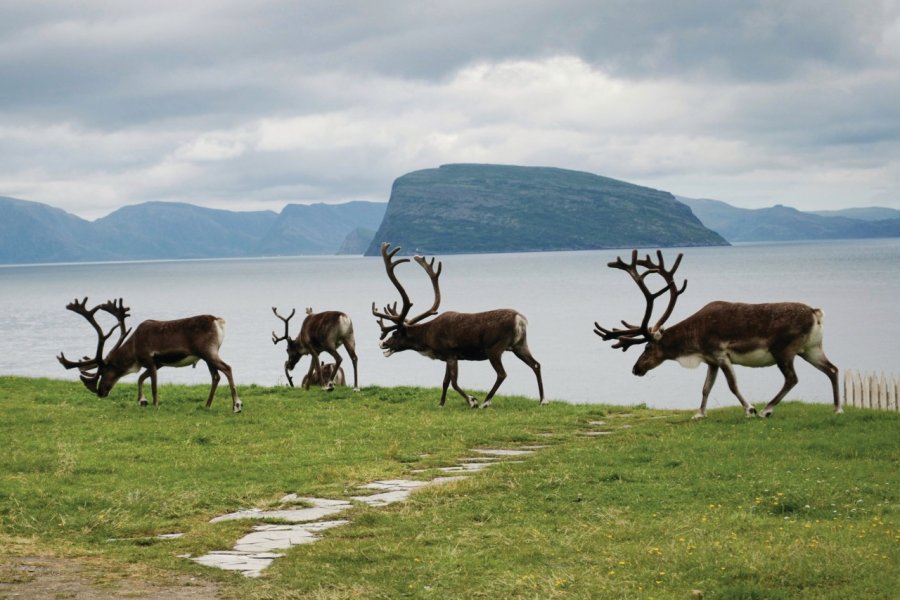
x,y
751,412
142,402
485,404
767,413
238,406
698,415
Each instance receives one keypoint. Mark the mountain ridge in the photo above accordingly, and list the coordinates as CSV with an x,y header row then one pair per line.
x,y
784,223
32,232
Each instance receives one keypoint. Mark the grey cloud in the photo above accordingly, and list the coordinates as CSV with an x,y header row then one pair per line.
x,y
130,101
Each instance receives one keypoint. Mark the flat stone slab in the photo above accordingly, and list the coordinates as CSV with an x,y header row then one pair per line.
x,y
247,564
394,484
266,538
502,452
466,467
254,552
320,509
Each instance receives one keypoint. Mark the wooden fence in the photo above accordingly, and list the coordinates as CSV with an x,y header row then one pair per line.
x,y
871,390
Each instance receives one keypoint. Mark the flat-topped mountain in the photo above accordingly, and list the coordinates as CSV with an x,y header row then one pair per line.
x,y
473,208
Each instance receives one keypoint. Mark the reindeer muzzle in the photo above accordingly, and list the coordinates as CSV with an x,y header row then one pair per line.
x,y
90,382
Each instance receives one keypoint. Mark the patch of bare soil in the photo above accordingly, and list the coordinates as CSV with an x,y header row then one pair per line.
x,y
38,577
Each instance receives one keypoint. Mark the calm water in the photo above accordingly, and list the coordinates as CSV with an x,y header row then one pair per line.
x,y
857,283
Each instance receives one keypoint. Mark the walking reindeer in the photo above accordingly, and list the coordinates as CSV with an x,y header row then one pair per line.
x,y
451,336
721,335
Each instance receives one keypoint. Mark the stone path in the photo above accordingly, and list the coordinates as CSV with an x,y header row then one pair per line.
x,y
305,518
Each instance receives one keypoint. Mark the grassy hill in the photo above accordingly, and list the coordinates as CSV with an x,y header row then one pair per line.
x,y
650,504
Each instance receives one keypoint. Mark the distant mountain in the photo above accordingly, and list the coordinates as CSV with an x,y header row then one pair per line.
x,y
357,241
463,208
162,230
35,233
31,232
783,223
319,228
870,213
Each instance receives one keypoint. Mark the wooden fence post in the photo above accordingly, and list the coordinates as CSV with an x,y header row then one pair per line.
x,y
871,390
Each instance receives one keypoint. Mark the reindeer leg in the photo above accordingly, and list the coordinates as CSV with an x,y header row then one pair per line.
x,y
215,365
152,370
453,368
525,356
711,373
501,375
308,379
214,374
790,380
446,384
728,369
337,365
816,357
350,345
142,400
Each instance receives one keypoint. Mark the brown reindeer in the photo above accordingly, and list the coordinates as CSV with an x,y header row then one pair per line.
x,y
723,334
320,332
453,336
329,373
153,344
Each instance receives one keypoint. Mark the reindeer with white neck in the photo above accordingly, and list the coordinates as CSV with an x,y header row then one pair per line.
x,y
721,335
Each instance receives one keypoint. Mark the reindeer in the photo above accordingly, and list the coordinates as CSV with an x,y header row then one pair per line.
x,y
723,334
328,374
153,344
320,332
452,336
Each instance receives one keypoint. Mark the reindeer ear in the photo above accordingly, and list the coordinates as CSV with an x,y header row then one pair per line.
x,y
657,333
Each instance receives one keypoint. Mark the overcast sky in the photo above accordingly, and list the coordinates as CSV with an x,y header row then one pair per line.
x,y
253,105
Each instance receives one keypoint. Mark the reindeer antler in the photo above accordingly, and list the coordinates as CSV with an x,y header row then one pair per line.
x,y
390,312
287,335
433,275
116,309
643,333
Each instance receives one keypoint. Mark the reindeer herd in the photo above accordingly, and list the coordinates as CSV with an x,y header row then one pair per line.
x,y
721,335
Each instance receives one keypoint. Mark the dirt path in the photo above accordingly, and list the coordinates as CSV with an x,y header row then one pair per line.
x,y
38,578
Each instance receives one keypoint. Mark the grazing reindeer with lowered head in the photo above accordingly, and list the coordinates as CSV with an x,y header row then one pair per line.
x,y
320,332
153,344
453,336
723,334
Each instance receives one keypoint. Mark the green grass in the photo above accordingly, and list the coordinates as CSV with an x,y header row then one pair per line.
x,y
803,505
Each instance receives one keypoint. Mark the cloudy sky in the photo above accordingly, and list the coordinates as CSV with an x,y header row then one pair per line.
x,y
253,105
